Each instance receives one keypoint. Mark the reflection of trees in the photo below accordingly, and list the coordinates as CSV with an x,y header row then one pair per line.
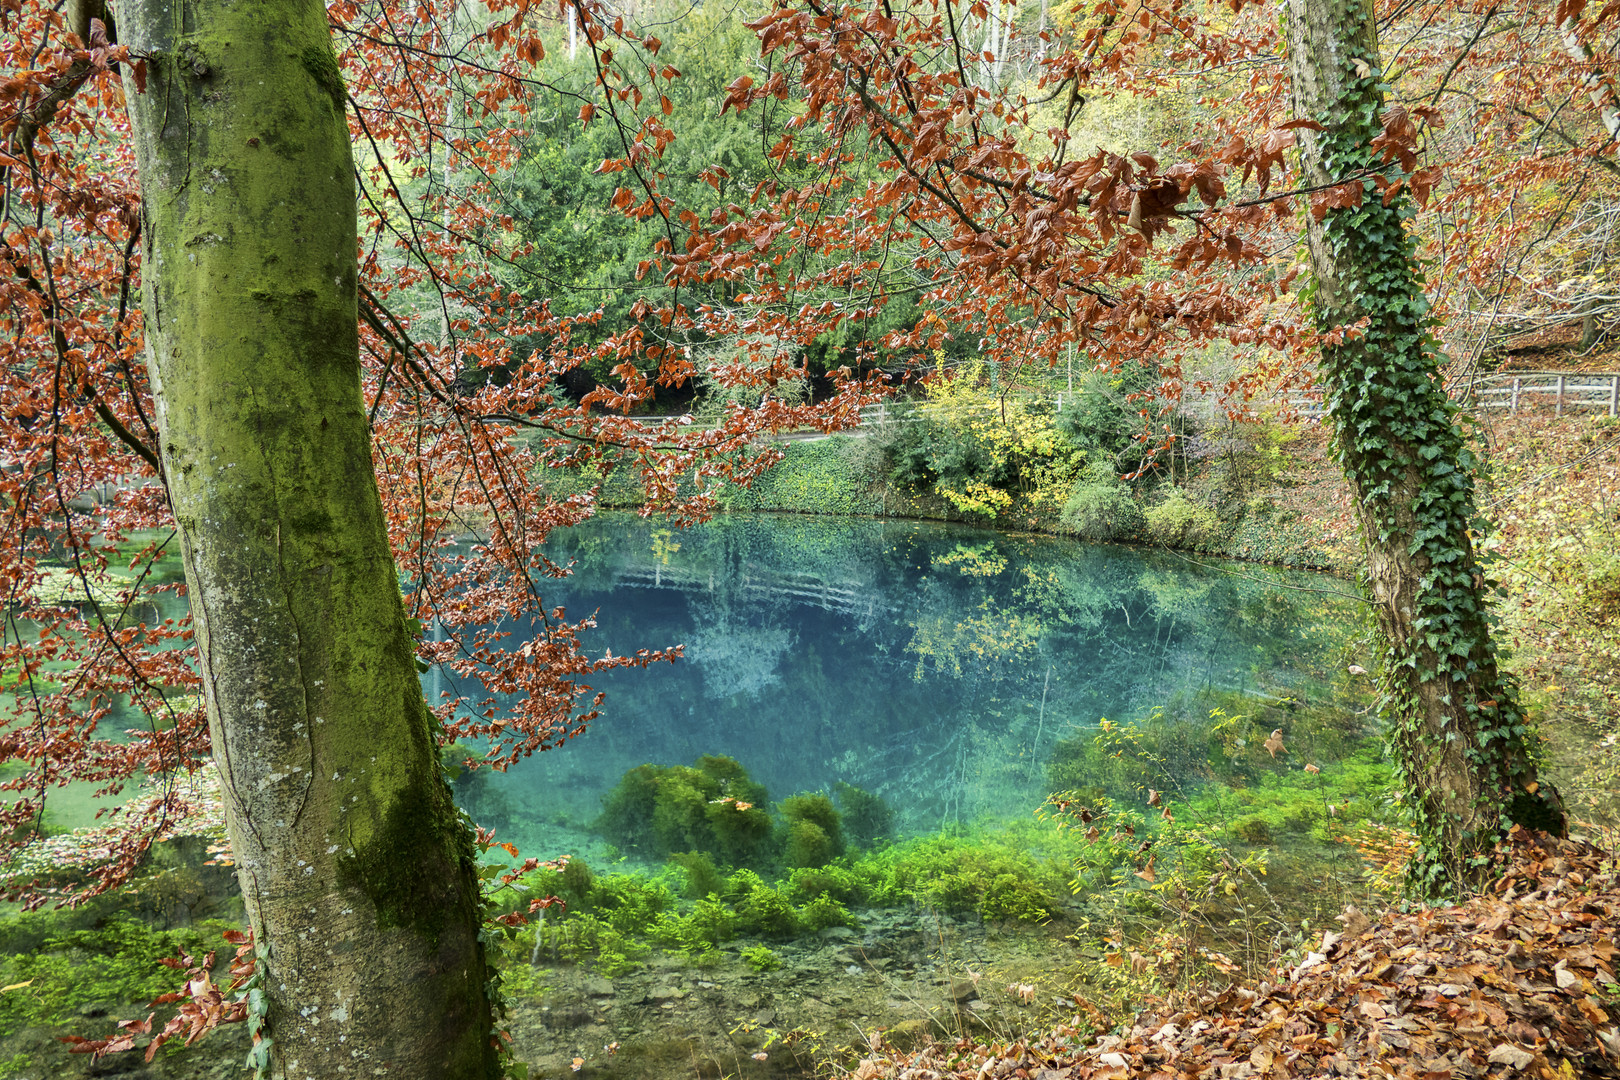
x,y
803,637
990,638
736,658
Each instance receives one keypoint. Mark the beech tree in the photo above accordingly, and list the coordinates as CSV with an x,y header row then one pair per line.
x,y
302,483
357,868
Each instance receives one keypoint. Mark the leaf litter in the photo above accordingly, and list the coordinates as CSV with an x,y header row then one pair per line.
x,y
1517,982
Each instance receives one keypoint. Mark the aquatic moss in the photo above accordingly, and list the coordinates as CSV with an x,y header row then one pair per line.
x,y
868,819
823,911
813,831
65,971
702,878
712,808
808,845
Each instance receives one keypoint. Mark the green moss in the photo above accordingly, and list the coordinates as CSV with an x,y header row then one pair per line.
x,y
409,866
322,65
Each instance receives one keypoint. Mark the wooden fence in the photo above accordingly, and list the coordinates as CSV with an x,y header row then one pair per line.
x,y
1509,391
1562,390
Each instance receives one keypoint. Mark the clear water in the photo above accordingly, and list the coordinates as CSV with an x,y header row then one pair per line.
x,y
935,665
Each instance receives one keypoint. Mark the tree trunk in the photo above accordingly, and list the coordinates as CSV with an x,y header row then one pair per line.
x,y
356,867
1459,735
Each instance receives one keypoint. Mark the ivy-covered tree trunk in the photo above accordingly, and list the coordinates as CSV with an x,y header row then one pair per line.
x,y
1459,735
356,866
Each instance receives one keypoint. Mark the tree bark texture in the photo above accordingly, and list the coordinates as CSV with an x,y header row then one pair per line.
x,y
355,864
1459,735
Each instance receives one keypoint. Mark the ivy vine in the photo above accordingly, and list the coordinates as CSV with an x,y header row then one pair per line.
x,y
1400,443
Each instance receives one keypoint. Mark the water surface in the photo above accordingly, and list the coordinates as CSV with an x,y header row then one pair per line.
x,y
933,664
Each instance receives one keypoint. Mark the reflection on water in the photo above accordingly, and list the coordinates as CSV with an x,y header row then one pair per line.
x,y
934,665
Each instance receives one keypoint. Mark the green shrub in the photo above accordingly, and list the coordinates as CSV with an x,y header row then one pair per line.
x,y
1100,507
838,475
1179,522
978,448
1101,417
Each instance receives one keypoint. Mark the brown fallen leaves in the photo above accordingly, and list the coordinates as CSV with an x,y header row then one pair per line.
x,y
1519,982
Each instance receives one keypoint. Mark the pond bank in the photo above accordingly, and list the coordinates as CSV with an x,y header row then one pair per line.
x,y
1298,519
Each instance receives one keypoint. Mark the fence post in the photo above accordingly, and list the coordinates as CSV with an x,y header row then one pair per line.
x,y
1513,406
1559,411
1614,395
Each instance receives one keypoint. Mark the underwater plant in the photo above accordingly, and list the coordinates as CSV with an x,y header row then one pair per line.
x,y
867,817
702,879
712,807
814,834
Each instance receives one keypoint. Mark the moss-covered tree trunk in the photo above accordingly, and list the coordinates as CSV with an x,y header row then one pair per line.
x,y
1458,732
356,866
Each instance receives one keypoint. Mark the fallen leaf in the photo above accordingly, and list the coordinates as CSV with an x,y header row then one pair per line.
x,y
1511,1056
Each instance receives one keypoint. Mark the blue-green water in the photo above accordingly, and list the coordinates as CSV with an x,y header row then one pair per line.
x,y
934,665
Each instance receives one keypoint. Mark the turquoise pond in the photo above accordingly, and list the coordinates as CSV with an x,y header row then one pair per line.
x,y
934,665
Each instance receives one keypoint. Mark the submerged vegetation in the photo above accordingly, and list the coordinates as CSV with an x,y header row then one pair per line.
x,y
1178,823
